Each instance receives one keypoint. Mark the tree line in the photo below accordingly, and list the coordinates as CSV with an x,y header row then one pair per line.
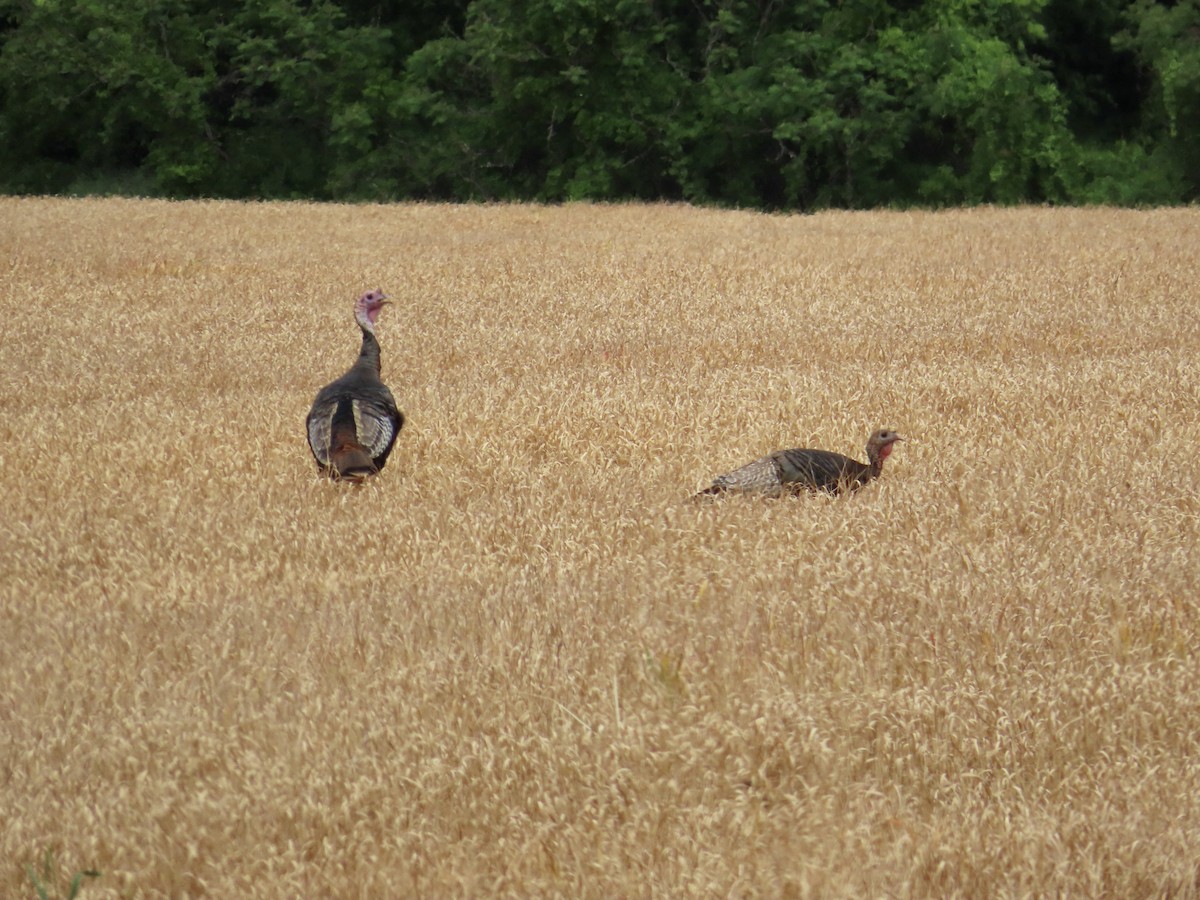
x,y
753,103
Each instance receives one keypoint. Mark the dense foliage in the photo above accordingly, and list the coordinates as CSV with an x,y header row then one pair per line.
x,y
815,103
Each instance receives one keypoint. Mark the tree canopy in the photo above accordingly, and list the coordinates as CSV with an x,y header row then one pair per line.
x,y
754,103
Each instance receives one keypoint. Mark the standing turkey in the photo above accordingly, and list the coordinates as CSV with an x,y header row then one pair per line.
x,y
354,420
814,470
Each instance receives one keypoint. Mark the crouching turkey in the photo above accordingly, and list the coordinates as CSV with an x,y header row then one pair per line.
x,y
354,420
790,471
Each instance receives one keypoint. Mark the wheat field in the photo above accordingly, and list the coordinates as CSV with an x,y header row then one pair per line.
x,y
522,661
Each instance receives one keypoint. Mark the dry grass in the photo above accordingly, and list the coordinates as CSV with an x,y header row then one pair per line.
x,y
521,662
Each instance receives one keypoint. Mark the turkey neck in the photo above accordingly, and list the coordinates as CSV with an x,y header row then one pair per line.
x,y
876,456
368,356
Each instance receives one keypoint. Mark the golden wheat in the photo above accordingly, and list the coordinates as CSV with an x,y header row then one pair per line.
x,y
521,662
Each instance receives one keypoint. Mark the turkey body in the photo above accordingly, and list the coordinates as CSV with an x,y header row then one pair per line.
x,y
803,469
354,420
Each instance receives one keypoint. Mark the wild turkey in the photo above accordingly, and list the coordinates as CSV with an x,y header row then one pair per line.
x,y
354,420
815,470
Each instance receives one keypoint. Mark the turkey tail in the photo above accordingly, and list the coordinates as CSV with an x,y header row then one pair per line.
x,y
347,457
709,492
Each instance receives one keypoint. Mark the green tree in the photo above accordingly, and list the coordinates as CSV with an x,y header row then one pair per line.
x,y
1165,39
814,103
220,99
551,100
91,86
286,74
798,112
998,119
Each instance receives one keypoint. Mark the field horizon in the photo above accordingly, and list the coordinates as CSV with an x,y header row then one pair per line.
x,y
522,661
